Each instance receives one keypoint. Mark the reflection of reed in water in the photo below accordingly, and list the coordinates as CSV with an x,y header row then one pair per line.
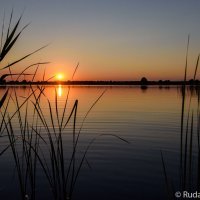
x,y
190,90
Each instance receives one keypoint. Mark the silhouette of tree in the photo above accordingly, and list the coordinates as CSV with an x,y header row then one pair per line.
x,y
144,81
160,82
191,81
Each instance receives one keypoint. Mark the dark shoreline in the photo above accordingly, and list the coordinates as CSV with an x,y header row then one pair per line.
x,y
158,83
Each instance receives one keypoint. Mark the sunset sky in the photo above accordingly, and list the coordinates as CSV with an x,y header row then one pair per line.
x,y
112,39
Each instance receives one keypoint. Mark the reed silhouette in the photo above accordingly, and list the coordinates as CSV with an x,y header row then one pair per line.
x,y
189,151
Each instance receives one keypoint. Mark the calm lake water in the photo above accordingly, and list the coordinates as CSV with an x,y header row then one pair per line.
x,y
150,120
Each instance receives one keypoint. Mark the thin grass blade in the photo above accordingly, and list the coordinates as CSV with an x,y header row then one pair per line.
x,y
3,98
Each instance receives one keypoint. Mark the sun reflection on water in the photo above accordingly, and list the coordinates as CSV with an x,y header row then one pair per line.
x,y
60,90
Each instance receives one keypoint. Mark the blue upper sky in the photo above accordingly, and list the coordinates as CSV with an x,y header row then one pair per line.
x,y
112,39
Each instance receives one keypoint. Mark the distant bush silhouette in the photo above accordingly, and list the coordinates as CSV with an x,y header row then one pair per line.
x,y
144,81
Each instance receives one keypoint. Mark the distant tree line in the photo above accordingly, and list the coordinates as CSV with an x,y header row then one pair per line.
x,y
143,82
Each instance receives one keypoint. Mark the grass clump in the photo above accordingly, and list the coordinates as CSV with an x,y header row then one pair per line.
x,y
39,142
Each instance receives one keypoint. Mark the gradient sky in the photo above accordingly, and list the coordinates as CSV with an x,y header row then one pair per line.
x,y
112,39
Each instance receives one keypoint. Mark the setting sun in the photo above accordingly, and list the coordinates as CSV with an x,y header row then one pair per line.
x,y
60,76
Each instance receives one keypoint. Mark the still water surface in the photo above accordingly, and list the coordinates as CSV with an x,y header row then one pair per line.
x,y
148,119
